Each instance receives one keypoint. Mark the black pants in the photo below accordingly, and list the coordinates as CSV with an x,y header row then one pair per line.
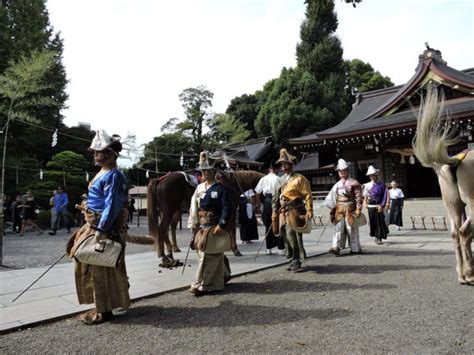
x,y
396,212
271,240
378,227
16,224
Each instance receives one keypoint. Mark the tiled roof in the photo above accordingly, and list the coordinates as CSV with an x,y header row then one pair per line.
x,y
255,148
385,108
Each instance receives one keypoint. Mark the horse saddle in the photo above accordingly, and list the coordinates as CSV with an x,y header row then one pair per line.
x,y
190,179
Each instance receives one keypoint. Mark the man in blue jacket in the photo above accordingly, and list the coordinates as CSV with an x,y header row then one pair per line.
x,y
60,202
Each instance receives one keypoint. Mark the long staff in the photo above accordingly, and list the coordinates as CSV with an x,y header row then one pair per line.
x,y
261,244
189,248
186,259
26,289
324,229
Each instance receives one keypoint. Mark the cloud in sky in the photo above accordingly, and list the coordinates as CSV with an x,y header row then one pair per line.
x,y
128,60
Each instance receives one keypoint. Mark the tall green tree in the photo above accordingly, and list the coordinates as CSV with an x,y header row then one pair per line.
x,y
320,51
5,40
23,91
25,28
311,96
226,129
76,139
163,153
245,108
68,161
65,169
362,77
68,168
290,107
262,123
196,102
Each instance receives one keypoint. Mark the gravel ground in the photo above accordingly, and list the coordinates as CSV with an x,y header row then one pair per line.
x,y
384,301
32,250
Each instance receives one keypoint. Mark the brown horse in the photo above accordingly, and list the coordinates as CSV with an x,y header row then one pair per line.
x,y
455,177
166,197
170,194
237,183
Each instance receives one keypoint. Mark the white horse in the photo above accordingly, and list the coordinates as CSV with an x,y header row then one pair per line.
x,y
455,177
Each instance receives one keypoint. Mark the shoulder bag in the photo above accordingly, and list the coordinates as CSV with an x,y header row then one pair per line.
x,y
105,252
359,221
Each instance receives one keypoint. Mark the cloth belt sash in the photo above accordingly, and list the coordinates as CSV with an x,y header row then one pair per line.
x,y
207,221
208,218
291,211
344,208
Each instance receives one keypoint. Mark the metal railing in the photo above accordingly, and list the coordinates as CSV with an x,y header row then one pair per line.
x,y
319,195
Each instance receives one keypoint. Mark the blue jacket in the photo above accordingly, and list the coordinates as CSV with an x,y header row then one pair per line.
x,y
60,202
218,201
108,195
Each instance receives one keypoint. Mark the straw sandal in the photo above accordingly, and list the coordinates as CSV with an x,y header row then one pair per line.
x,y
92,317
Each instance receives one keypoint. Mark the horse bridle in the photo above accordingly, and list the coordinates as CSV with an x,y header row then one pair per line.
x,y
240,191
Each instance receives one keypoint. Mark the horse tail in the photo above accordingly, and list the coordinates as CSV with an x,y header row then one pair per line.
x,y
152,207
431,141
140,239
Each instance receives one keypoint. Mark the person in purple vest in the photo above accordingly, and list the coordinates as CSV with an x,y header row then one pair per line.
x,y
376,200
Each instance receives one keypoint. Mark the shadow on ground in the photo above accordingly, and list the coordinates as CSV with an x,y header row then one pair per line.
x,y
396,251
284,286
214,316
368,269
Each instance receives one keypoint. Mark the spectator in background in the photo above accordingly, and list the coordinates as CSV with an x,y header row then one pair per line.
x,y
131,208
266,189
247,220
80,217
396,205
51,203
15,215
60,202
6,216
27,213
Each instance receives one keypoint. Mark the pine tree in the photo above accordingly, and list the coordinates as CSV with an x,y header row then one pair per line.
x,y
320,51
312,96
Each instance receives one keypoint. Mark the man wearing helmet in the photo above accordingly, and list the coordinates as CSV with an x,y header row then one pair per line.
x,y
292,210
345,202
209,215
105,214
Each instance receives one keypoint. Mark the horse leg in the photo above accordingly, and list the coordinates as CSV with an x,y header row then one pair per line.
x,y
169,248
167,260
455,208
159,241
166,240
457,249
174,224
233,243
465,236
232,232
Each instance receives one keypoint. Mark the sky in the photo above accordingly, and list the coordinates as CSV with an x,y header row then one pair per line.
x,y
127,61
